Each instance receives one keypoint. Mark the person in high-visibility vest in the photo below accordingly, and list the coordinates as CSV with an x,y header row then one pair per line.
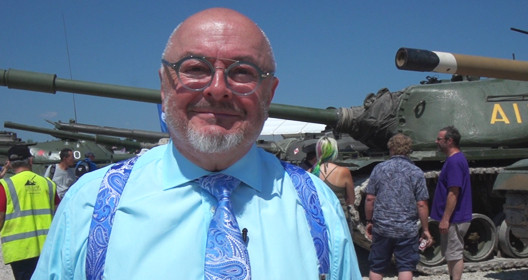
x,y
27,205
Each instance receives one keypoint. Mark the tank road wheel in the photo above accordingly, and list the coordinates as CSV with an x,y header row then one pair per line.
x,y
480,239
511,245
516,210
432,256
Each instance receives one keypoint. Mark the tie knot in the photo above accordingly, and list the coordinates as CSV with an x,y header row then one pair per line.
x,y
219,185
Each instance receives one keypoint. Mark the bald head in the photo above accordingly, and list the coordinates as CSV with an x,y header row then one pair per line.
x,y
218,27
214,126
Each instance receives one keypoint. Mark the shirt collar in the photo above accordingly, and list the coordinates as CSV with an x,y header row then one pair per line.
x,y
402,157
178,170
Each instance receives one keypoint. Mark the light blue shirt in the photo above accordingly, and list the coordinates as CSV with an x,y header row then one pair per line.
x,y
160,227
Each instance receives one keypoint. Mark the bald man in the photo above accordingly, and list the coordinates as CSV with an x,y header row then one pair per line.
x,y
210,204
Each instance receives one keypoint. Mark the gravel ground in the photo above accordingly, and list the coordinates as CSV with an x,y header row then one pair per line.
x,y
5,270
512,274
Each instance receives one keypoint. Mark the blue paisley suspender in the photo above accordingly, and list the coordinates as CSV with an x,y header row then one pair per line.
x,y
314,214
115,180
105,207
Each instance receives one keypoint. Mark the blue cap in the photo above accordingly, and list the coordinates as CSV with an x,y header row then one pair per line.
x,y
89,154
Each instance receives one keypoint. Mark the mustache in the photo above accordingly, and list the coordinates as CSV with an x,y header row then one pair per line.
x,y
216,106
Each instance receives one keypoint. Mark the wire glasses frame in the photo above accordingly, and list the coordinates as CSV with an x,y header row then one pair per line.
x,y
196,74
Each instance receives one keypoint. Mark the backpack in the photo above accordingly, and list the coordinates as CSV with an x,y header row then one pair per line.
x,y
52,171
81,168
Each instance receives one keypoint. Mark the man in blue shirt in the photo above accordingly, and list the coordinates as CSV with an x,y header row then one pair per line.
x,y
84,166
396,198
217,84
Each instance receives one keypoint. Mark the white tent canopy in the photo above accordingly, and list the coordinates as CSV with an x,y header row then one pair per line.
x,y
274,126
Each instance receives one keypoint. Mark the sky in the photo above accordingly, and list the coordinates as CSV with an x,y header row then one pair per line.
x,y
329,53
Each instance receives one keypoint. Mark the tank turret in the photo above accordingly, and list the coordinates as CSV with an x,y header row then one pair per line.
x,y
106,140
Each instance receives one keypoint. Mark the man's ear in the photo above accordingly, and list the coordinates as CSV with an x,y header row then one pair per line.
x,y
274,85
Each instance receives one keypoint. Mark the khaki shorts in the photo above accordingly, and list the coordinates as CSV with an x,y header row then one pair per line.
x,y
453,242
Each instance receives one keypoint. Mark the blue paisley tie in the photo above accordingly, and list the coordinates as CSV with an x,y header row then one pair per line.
x,y
226,255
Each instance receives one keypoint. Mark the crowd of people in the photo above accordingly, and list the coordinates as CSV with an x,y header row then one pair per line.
x,y
397,198
210,204
28,202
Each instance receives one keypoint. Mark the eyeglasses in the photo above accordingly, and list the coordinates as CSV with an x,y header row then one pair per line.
x,y
196,74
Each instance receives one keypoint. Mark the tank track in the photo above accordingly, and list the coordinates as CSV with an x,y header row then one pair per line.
x,y
497,263
516,210
472,171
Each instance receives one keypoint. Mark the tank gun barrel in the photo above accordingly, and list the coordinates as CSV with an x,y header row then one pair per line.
x,y
305,114
146,135
450,63
50,83
71,135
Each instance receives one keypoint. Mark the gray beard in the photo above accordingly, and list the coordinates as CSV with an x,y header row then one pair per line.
x,y
207,142
214,143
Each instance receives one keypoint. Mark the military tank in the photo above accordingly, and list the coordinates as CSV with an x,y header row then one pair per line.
x,y
46,153
510,183
138,135
488,112
97,138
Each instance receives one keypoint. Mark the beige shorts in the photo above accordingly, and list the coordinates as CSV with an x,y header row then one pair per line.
x,y
453,241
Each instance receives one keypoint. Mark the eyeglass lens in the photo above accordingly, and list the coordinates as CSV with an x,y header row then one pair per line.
x,y
197,74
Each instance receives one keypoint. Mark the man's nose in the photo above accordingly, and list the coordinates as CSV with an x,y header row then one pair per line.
x,y
218,88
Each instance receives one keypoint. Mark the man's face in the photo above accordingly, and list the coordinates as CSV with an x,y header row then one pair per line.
x,y
441,142
69,159
215,120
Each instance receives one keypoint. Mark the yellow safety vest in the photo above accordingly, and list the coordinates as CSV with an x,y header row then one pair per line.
x,y
30,203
